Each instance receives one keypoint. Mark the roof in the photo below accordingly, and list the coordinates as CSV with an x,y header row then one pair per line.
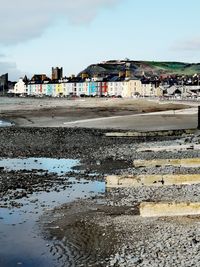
x,y
116,79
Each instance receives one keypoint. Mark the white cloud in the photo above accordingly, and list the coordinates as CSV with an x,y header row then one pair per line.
x,y
21,20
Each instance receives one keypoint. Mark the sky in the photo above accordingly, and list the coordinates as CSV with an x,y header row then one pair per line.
x,y
38,35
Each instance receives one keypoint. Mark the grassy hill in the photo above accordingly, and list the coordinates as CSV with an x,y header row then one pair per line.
x,y
138,68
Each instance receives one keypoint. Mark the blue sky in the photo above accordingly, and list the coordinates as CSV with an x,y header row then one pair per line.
x,y
74,34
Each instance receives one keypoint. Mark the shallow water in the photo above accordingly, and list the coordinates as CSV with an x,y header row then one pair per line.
x,y
58,166
4,123
20,240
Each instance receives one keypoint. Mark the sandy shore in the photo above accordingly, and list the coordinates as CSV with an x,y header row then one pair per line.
x,y
93,113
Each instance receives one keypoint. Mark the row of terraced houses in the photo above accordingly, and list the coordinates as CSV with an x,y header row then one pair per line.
x,y
81,86
122,85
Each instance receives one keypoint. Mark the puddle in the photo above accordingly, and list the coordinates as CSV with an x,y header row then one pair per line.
x,y
21,243
106,166
4,123
58,166
41,201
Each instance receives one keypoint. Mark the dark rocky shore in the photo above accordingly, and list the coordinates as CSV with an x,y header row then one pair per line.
x,y
104,230
76,143
54,142
89,146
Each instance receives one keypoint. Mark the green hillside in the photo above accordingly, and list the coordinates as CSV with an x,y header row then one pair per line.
x,y
175,67
138,68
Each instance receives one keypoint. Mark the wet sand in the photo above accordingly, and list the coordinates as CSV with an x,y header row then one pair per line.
x,y
30,112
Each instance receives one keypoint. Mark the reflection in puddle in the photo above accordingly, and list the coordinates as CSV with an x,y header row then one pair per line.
x,y
22,245
58,166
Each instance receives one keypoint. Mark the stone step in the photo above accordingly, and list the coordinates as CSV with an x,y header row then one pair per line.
x,y
151,180
187,162
152,209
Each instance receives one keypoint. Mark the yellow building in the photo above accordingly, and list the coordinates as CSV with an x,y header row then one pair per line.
x,y
131,88
134,87
59,89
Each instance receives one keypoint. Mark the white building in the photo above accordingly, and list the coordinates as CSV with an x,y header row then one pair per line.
x,y
20,88
116,87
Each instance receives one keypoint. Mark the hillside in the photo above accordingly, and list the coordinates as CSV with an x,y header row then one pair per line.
x,y
138,68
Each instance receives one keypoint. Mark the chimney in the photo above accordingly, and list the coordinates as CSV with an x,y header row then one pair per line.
x,y
128,73
84,75
121,74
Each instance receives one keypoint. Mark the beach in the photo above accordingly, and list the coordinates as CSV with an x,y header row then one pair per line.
x,y
72,216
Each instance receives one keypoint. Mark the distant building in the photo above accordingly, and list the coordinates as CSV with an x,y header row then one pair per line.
x,y
57,73
11,87
20,88
123,84
39,78
4,83
115,86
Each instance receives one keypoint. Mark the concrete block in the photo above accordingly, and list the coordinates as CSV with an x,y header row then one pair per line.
x,y
151,180
152,209
121,181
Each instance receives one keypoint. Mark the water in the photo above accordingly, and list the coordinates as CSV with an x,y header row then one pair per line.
x,y
20,240
4,123
58,166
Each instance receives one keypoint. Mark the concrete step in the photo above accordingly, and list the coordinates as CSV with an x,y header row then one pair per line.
x,y
152,209
115,181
